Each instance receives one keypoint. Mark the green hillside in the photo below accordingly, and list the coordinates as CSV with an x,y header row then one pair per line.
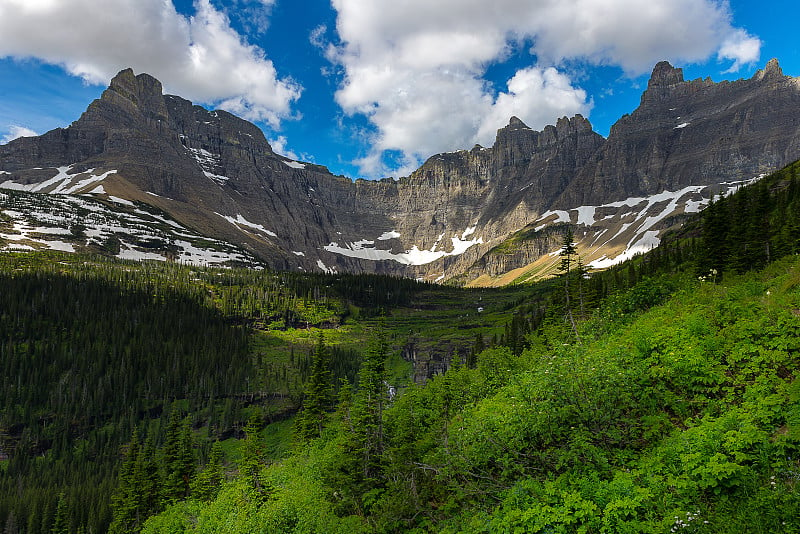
x,y
685,414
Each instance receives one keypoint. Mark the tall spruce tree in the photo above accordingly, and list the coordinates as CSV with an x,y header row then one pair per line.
x,y
569,256
178,461
368,406
127,498
252,452
206,484
318,396
61,519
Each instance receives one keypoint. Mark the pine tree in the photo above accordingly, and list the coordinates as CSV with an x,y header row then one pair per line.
x,y
252,451
477,348
11,524
177,461
368,406
61,519
568,256
359,469
147,476
208,481
318,395
126,499
714,252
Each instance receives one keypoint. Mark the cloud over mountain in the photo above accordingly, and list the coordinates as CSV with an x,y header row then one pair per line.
x,y
416,69
201,57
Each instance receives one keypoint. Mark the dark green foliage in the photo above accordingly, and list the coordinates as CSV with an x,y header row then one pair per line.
x,y
318,397
752,227
88,351
61,520
129,501
93,348
178,462
252,453
206,485
681,402
361,469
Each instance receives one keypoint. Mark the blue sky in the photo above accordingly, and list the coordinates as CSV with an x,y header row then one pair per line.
x,y
371,88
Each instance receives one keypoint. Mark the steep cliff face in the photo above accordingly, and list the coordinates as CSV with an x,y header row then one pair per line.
x,y
456,216
691,133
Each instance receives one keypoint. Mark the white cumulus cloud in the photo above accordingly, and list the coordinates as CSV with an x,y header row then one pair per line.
x,y
741,48
417,69
199,57
15,132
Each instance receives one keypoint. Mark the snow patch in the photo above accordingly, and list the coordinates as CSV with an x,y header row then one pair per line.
x,y
217,178
644,243
389,235
118,200
586,215
682,125
414,256
127,252
295,164
561,216
241,221
325,268
468,231
298,253
64,180
203,156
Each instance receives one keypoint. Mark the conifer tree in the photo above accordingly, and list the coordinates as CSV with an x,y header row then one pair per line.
x,y
368,405
477,348
318,395
252,451
61,519
208,481
126,499
11,524
359,469
178,460
568,257
147,477
714,250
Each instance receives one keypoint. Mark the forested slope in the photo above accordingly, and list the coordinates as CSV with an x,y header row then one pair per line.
x,y
95,351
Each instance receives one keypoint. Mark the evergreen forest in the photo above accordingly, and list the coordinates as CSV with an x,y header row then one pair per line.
x,y
661,395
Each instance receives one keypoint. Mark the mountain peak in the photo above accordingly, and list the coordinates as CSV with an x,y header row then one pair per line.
x,y
665,74
138,86
515,123
143,91
772,71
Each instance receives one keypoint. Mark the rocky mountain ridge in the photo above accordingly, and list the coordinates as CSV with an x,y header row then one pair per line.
x,y
472,215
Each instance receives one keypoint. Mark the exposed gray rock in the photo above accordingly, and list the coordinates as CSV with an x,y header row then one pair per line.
x,y
217,174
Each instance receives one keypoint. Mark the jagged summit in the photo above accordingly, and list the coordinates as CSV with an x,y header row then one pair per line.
x,y
665,74
772,71
127,83
136,92
515,123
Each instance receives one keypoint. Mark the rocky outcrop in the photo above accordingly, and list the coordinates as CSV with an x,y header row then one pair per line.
x,y
450,219
691,133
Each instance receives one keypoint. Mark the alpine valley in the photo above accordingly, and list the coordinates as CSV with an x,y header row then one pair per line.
x,y
269,377
142,175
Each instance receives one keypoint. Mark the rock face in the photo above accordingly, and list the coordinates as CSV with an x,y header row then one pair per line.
x,y
216,174
692,133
